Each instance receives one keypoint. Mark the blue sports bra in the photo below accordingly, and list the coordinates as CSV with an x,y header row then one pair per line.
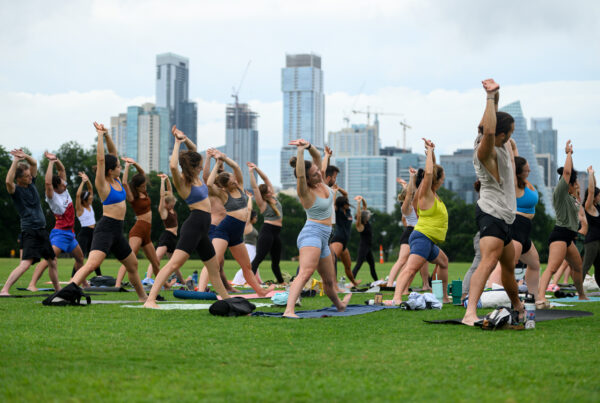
x,y
115,196
526,203
197,193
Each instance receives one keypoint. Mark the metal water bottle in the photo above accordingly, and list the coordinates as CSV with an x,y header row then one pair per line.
x,y
195,277
529,312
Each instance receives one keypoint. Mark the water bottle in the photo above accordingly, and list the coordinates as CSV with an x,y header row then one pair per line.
x,y
342,283
195,277
529,312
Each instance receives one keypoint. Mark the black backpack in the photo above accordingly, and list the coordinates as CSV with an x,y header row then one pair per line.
x,y
69,295
103,281
236,306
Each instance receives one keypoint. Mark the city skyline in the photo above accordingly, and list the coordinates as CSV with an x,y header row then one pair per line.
x,y
401,47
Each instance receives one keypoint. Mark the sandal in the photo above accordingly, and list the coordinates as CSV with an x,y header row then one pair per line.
x,y
542,305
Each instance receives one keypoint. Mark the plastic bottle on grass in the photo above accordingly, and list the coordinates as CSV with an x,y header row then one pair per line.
x,y
529,312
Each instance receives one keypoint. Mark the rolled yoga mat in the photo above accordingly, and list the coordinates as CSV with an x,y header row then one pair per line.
x,y
541,315
185,294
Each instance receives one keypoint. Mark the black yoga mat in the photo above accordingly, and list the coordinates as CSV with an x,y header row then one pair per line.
x,y
541,315
25,296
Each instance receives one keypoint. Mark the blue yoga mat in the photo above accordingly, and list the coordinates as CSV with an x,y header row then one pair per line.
x,y
351,310
185,294
575,299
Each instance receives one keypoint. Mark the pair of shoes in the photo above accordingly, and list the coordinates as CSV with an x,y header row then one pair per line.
x,y
148,281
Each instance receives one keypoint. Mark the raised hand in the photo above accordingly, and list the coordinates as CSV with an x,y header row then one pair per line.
x,y
50,156
358,198
162,176
412,171
100,128
251,166
590,170
248,194
300,143
128,161
569,147
490,86
401,182
83,177
335,187
328,151
179,136
216,154
18,154
428,144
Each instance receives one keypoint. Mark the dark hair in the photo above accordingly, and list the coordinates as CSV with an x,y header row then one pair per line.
x,y
365,215
341,201
110,162
504,122
263,189
56,180
520,163
223,179
189,161
330,170
307,165
477,185
438,171
596,191
21,168
573,178
84,196
253,214
136,181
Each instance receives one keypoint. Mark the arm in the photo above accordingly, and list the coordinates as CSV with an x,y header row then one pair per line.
x,y
100,165
485,151
514,152
10,175
326,160
210,182
162,210
128,194
425,187
179,135
410,193
265,179
301,185
168,184
359,225
237,171
84,181
48,180
568,168
262,205
206,169
60,170
110,145
342,191
316,156
589,202
174,166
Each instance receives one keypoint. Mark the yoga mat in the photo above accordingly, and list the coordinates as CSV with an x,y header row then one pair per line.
x,y
253,296
541,315
188,307
185,294
39,289
107,289
25,296
575,299
351,310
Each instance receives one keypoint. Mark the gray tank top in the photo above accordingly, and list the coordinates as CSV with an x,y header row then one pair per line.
x,y
269,214
321,208
233,204
252,237
497,199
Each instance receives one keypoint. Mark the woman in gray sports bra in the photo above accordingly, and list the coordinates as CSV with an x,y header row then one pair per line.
x,y
230,232
269,240
317,199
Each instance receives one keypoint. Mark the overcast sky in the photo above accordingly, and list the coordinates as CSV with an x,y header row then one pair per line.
x,y
67,63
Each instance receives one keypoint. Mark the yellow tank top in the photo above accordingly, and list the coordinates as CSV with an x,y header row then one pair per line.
x,y
433,223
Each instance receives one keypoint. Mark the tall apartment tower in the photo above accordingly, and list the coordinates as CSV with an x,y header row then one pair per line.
x,y
544,139
172,85
356,140
303,108
241,137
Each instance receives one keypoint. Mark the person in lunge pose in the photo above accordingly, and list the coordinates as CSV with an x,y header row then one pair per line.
x,y
230,232
495,210
269,240
317,200
363,226
194,231
34,237
592,238
430,229
86,217
108,234
562,237
62,237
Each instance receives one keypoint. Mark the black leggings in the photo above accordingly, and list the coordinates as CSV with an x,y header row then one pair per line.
x,y
84,238
365,254
592,257
269,242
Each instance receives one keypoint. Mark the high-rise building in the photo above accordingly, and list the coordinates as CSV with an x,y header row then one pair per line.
x,y
460,174
544,139
527,151
241,137
355,140
303,108
142,134
172,86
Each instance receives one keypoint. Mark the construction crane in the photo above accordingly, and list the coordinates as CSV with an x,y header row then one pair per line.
x,y
404,127
368,113
234,95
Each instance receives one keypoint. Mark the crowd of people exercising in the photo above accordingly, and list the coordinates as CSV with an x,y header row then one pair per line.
x,y
222,216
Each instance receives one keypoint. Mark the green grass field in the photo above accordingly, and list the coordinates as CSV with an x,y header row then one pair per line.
x,y
110,353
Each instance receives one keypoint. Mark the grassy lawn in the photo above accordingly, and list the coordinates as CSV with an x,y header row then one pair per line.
x,y
110,353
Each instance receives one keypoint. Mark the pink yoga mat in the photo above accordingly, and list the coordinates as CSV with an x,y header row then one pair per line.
x,y
252,296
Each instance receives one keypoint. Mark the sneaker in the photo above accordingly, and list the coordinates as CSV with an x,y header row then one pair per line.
x,y
148,281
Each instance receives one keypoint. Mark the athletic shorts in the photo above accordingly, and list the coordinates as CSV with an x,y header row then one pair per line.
x,y
521,231
193,235
341,239
422,246
492,226
168,239
406,235
211,231
230,229
141,229
63,239
36,245
562,234
315,235
108,237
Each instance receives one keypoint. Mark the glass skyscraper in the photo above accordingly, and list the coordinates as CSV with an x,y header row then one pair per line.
x,y
172,86
355,140
303,108
544,139
241,137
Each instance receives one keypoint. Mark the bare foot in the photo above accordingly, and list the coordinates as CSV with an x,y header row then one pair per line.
x,y
151,304
357,282
290,315
345,302
144,299
428,289
266,291
4,294
470,320
32,289
583,297
233,290
447,300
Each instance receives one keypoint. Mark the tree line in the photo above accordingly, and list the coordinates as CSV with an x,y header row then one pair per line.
x,y
387,228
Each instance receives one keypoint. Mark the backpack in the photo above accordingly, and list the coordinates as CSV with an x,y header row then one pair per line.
x,y
236,306
103,281
69,295
501,318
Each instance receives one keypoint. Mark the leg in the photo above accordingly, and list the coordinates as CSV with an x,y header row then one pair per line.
x,y
559,273
276,258
507,262
240,254
347,262
397,267
263,245
359,261
574,259
150,253
212,266
413,265
556,255
495,277
177,260
371,262
37,274
53,273
591,252
325,269
425,276
160,252
135,243
131,265
95,258
491,249
308,260
532,274
15,274
441,262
